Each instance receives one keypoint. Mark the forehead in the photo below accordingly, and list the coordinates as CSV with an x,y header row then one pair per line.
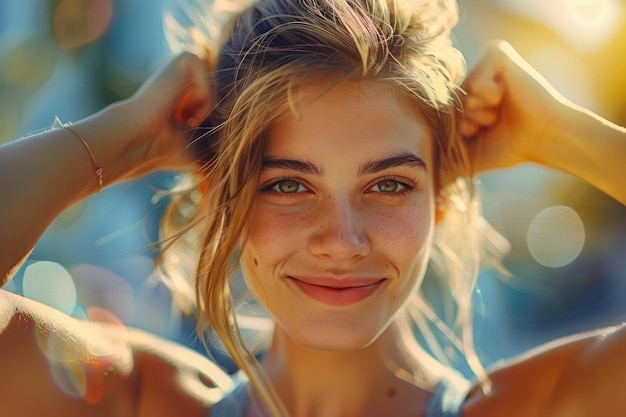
x,y
350,118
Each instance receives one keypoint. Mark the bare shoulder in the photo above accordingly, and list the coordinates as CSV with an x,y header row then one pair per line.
x,y
576,376
84,368
177,380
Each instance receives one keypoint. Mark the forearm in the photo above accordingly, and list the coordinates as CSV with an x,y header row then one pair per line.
x,y
589,147
41,175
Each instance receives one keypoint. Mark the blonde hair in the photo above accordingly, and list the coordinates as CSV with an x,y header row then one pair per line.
x,y
265,52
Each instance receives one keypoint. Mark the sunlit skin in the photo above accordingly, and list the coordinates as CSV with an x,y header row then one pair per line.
x,y
345,199
578,376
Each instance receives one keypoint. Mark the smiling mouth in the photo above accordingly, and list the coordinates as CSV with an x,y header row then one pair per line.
x,y
338,295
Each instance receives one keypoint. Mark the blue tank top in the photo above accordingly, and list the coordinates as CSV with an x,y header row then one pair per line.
x,y
445,401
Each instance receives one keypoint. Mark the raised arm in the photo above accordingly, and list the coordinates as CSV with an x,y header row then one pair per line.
x,y
513,115
43,174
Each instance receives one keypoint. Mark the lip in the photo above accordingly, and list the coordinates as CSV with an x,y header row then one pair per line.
x,y
338,292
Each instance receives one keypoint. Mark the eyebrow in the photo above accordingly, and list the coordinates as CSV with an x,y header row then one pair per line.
x,y
406,159
292,164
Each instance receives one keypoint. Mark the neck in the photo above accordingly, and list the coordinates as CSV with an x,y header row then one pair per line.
x,y
356,383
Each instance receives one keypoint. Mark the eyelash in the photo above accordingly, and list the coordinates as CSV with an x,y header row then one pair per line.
x,y
407,185
269,186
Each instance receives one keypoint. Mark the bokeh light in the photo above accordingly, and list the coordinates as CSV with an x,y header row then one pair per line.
x,y
556,236
590,24
100,287
78,365
80,22
51,284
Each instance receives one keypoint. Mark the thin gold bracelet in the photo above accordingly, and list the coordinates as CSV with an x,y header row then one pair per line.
x,y
98,169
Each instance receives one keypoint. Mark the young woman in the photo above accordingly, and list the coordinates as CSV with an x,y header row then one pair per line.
x,y
331,157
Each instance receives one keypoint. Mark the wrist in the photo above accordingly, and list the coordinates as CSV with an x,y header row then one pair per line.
x,y
558,137
585,145
112,135
575,143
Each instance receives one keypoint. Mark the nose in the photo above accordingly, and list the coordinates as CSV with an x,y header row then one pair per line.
x,y
340,231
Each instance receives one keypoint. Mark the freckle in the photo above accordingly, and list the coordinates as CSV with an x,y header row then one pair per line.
x,y
391,392
256,262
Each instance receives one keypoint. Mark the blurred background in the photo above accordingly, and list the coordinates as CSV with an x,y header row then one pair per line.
x,y
70,58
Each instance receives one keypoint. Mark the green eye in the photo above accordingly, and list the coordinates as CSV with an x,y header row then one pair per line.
x,y
288,186
285,186
388,186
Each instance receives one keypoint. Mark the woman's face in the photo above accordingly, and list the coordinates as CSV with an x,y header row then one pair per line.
x,y
343,217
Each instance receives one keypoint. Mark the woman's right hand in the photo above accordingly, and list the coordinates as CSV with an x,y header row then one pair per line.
x,y
45,173
161,115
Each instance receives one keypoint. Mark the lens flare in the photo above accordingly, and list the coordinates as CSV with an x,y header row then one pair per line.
x,y
556,236
81,359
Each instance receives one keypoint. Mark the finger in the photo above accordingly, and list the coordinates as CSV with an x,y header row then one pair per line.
x,y
177,75
196,101
483,117
185,112
194,106
471,103
486,92
193,109
483,80
468,128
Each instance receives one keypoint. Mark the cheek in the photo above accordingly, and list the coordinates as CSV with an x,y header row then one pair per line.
x,y
406,230
405,237
272,237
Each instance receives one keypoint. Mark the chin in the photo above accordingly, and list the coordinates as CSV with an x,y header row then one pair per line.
x,y
335,335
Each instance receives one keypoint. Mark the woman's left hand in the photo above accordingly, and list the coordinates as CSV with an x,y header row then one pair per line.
x,y
508,108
